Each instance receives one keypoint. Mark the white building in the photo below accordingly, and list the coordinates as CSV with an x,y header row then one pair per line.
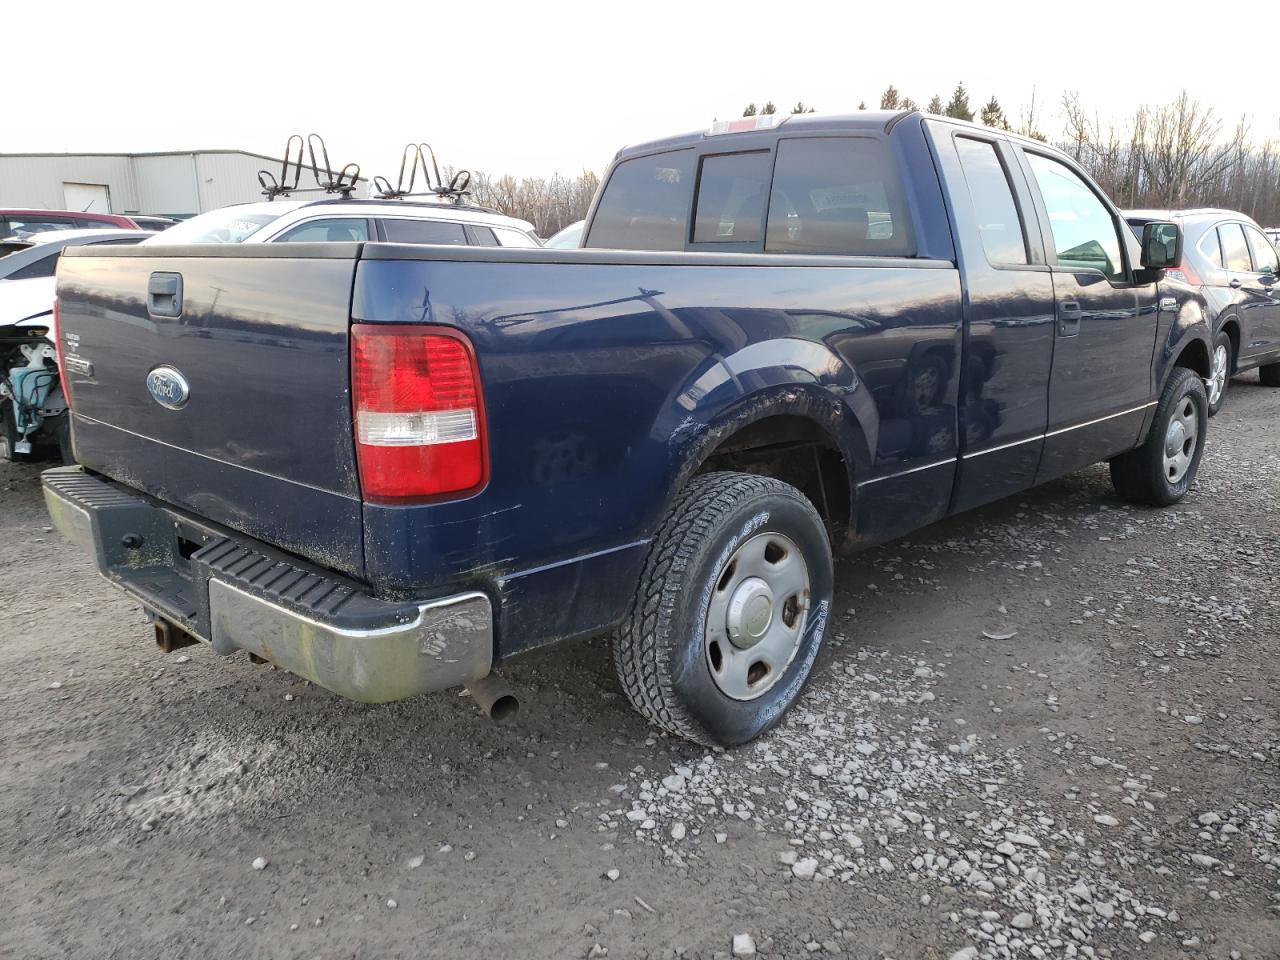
x,y
163,184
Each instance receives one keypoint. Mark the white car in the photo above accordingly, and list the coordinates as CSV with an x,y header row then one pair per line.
x,y
311,221
32,409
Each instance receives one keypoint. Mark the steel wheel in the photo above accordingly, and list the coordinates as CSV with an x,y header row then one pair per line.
x,y
756,615
1180,440
1217,380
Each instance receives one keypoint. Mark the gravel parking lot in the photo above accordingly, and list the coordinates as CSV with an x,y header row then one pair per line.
x,y
1047,728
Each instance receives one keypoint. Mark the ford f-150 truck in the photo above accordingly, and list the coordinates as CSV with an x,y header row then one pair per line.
x,y
389,468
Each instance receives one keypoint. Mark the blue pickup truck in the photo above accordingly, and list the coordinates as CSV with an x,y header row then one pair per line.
x,y
389,468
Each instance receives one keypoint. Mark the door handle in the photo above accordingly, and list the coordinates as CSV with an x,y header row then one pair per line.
x,y
1236,283
164,295
1069,314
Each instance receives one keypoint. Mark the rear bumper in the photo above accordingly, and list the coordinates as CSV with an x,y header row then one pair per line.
x,y
237,594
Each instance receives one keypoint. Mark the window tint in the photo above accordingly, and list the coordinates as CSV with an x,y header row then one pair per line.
x,y
998,221
482,236
327,231
1264,254
1212,250
424,231
836,195
44,267
645,205
731,192
514,238
1083,232
1234,248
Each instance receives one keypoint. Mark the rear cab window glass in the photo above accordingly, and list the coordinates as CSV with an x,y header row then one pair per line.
x,y
1084,233
424,231
836,195
331,230
999,225
645,204
731,194
1264,254
1234,248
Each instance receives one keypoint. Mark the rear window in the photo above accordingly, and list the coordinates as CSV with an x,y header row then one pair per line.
x,y
731,193
228,225
645,205
331,230
30,226
836,195
46,266
514,238
424,231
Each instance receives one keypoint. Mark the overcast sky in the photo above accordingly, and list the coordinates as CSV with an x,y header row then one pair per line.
x,y
537,87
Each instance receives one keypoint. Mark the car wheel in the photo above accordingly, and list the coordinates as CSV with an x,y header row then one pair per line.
x,y
1220,364
1161,471
730,609
1269,375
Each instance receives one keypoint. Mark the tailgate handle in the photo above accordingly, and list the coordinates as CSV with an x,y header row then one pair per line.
x,y
164,295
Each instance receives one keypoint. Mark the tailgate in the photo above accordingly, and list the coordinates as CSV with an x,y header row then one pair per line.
x,y
215,378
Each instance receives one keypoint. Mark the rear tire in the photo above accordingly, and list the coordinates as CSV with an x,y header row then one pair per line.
x,y
1161,471
1269,375
730,610
1221,363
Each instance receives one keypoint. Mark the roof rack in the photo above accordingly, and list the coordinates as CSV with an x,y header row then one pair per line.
x,y
414,156
343,184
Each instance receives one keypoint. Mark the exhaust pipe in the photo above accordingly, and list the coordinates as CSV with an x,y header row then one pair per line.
x,y
494,698
170,636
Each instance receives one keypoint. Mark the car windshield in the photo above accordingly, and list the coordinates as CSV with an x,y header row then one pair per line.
x,y
229,225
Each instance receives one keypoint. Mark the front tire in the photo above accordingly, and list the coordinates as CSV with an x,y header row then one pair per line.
x,y
730,610
1220,366
1161,471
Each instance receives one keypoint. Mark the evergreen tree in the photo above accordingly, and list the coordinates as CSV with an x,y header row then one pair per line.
x,y
906,103
890,99
768,108
801,108
862,104
935,105
993,115
750,111
958,107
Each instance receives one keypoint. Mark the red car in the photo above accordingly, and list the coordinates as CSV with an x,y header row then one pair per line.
x,y
23,223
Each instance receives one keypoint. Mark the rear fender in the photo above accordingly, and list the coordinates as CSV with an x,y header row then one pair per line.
x,y
773,378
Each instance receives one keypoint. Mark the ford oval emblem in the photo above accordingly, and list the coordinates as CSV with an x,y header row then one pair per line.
x,y
168,387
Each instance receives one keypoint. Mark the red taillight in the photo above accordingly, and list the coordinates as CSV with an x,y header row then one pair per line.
x,y
419,413
1184,273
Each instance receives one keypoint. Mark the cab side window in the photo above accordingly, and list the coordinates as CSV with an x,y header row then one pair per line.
x,y
1264,254
1234,248
1084,232
836,195
993,206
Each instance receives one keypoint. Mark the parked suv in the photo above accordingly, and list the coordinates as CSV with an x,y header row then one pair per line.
x,y
396,221
1227,257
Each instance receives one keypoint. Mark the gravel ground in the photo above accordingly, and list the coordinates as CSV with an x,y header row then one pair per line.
x,y
1046,728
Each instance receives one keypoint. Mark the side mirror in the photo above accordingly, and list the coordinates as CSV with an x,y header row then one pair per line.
x,y
1161,245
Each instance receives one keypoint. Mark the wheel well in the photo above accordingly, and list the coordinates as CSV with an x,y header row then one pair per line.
x,y
795,450
1194,356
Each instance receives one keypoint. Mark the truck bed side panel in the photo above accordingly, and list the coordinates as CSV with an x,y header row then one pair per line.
x,y
603,371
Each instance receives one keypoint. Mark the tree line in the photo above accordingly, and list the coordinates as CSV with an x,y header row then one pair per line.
x,y
1175,155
